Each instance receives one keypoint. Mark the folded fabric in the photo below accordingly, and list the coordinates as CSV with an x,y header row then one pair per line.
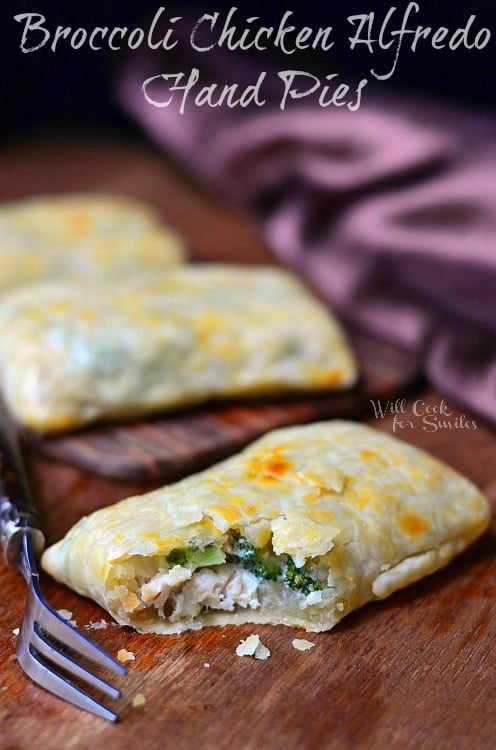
x,y
388,210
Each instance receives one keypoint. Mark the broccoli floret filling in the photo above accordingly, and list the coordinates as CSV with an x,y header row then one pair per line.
x,y
196,557
298,579
255,559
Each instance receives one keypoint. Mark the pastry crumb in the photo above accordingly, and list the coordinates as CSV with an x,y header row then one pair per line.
x,y
16,631
97,625
340,606
124,655
248,646
301,644
262,652
252,646
139,700
66,615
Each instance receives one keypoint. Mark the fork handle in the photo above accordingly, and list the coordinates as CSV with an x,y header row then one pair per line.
x,y
18,515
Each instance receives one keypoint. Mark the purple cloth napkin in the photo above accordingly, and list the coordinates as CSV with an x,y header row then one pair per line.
x,y
390,211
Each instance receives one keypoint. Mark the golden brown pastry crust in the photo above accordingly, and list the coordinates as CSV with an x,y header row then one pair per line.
x,y
371,513
82,236
70,354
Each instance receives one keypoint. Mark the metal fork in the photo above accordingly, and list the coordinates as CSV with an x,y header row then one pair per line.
x,y
22,540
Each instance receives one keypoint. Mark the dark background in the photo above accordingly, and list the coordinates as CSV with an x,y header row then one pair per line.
x,y
71,89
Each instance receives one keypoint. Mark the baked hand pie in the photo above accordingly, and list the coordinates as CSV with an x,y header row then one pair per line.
x,y
82,235
72,353
300,528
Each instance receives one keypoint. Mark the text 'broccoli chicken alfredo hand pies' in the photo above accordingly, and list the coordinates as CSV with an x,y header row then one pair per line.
x,y
70,354
304,526
81,235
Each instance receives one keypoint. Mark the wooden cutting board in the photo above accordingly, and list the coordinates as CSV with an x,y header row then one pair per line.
x,y
173,446
166,448
169,447
414,672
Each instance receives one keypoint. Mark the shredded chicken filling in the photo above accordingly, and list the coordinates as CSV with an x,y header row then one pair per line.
x,y
192,582
182,593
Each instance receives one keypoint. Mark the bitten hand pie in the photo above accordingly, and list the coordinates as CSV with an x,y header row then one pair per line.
x,y
70,354
85,235
302,527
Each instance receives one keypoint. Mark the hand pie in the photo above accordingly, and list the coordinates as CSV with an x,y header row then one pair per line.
x,y
83,235
302,527
70,354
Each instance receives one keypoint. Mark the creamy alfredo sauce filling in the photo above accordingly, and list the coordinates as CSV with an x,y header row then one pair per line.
x,y
189,581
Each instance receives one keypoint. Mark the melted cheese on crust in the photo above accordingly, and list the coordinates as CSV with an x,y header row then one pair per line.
x,y
86,235
70,354
340,502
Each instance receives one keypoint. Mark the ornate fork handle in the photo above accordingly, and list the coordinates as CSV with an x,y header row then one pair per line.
x,y
18,515
38,648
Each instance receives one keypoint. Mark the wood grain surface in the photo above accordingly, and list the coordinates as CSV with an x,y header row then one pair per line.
x,y
413,671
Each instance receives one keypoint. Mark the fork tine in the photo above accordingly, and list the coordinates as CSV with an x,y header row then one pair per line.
x,y
20,539
56,656
35,666
53,624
